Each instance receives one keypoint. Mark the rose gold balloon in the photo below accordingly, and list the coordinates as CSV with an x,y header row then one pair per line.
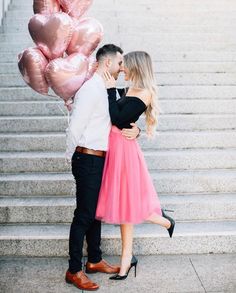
x,y
75,8
52,33
65,76
46,6
88,33
93,65
32,64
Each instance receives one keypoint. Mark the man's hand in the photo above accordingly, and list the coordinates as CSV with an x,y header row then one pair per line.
x,y
69,104
109,80
131,133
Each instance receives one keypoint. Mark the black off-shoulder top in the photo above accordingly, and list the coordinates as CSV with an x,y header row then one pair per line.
x,y
126,110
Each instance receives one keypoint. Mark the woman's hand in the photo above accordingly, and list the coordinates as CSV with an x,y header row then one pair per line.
x,y
109,80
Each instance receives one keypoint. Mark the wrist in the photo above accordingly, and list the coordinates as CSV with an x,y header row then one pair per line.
x,y
139,133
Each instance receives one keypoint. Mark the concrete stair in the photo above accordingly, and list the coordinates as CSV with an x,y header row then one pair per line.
x,y
166,122
51,209
192,158
161,160
52,240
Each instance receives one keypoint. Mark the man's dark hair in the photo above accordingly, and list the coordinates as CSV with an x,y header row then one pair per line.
x,y
108,49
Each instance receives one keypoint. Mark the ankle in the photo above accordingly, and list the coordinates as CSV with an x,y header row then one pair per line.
x,y
169,224
127,256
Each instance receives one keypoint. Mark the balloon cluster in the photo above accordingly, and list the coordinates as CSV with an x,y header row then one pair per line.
x,y
64,43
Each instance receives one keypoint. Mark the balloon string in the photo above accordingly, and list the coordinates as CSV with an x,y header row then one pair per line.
x,y
68,117
68,112
52,96
61,109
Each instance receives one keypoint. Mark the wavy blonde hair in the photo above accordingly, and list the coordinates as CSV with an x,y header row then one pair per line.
x,y
141,76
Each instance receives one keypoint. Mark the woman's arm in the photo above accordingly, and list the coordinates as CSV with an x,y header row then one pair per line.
x,y
124,115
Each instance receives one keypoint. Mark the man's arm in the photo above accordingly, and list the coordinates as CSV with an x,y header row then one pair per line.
x,y
131,133
83,107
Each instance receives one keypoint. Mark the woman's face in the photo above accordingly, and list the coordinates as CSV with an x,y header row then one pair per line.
x,y
126,72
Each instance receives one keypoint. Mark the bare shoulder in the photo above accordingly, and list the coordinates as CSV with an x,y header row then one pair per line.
x,y
144,95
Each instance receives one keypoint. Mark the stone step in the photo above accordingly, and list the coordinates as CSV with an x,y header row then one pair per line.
x,y
178,45
185,32
24,93
190,237
14,48
23,17
197,92
180,39
162,160
160,67
23,142
217,20
219,24
8,68
151,2
12,80
192,273
162,55
13,38
53,209
50,108
185,41
164,23
166,122
165,182
164,92
162,9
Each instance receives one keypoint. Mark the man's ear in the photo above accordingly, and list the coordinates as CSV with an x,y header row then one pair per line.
x,y
108,62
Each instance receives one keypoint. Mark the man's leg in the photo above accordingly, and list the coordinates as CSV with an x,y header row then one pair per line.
x,y
93,237
93,234
87,170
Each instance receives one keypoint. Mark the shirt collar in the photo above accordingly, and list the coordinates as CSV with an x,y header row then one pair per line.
x,y
98,77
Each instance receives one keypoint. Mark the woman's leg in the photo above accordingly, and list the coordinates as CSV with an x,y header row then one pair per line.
x,y
127,247
157,219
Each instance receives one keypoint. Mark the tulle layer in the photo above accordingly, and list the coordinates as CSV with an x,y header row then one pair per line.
x,y
127,193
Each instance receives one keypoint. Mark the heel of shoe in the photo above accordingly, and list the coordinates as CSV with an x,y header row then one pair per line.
x,y
134,263
172,223
135,270
90,272
68,281
167,210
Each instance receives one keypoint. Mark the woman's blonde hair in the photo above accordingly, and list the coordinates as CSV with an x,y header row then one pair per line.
x,y
141,76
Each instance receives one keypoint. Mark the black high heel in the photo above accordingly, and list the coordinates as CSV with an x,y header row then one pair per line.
x,y
172,222
133,263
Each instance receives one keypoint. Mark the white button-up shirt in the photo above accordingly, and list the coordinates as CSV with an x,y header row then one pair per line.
x,y
90,120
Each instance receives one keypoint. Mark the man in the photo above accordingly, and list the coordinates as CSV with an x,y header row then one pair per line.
x,y
87,141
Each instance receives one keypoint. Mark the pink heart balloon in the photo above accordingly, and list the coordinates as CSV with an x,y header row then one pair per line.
x,y
66,75
46,6
75,8
93,65
52,33
88,33
32,64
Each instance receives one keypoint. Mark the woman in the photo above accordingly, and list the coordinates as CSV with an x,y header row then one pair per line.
x,y
127,195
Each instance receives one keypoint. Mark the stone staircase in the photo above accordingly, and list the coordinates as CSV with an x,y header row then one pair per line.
x,y
192,158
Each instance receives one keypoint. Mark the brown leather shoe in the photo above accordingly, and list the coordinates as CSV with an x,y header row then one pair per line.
x,y
101,267
81,281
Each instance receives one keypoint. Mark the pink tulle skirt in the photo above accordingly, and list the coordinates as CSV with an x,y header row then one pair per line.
x,y
127,193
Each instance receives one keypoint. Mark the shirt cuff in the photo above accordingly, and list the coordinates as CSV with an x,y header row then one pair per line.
x,y
111,93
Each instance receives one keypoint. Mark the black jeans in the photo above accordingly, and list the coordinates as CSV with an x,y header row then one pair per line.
x,y
87,171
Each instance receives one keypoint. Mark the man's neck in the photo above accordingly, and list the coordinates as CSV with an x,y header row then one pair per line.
x,y
100,71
